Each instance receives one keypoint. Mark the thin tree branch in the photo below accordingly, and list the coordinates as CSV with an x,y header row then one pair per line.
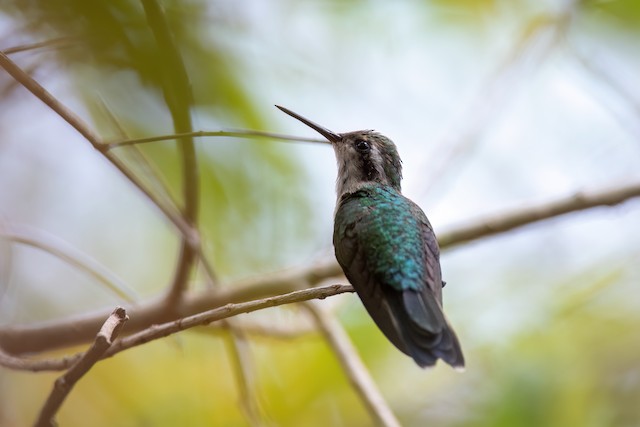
x,y
78,329
520,217
94,139
146,168
601,71
158,331
259,329
536,41
59,248
55,43
179,99
46,336
63,385
352,366
157,182
200,134
243,367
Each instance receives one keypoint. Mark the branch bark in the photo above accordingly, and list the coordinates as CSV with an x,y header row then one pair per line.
x,y
64,384
78,329
528,215
155,332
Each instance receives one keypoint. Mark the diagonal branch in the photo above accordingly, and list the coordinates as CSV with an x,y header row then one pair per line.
x,y
64,384
352,366
94,139
55,43
244,372
524,216
59,248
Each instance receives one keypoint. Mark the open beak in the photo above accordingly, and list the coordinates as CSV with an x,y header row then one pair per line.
x,y
331,136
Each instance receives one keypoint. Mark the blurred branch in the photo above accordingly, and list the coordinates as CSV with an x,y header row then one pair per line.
x,y
78,329
179,98
54,43
64,384
199,134
244,372
352,365
75,330
259,329
146,168
94,139
59,248
528,215
601,71
157,331
536,41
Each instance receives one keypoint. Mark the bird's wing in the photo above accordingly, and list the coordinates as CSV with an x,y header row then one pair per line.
x,y
388,252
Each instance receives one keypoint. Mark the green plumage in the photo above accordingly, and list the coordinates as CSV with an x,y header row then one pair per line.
x,y
388,227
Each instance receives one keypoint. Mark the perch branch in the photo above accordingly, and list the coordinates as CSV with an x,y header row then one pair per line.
x,y
59,333
158,331
64,384
78,329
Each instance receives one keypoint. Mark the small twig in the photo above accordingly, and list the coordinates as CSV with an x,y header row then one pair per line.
x,y
155,332
352,366
59,248
94,139
520,217
146,168
200,134
64,384
57,42
601,72
259,329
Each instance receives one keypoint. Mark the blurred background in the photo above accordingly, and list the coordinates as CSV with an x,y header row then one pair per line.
x,y
493,104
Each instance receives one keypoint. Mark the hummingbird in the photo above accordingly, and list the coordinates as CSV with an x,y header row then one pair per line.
x,y
387,248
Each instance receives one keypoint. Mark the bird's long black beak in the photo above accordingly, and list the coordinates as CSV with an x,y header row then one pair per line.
x,y
331,136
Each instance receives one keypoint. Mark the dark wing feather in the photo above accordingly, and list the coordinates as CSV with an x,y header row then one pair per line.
x,y
351,257
407,311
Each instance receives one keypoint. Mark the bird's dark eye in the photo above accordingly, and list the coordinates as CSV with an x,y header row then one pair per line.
x,y
362,145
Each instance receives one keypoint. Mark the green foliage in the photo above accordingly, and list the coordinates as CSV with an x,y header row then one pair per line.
x,y
626,12
114,52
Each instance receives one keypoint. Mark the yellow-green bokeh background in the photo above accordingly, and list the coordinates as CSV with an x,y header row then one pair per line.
x,y
521,101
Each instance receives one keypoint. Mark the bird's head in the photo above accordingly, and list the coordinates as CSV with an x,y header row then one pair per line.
x,y
363,156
